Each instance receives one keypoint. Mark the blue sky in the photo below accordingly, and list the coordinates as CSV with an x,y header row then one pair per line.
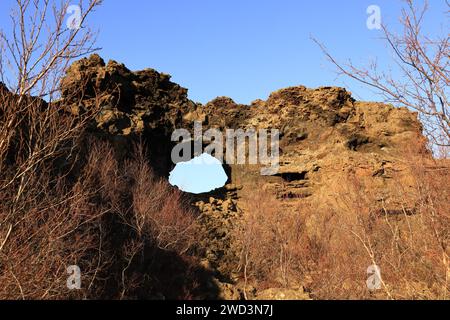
x,y
244,49
201,174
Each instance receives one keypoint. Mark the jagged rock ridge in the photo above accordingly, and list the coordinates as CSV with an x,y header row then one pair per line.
x,y
325,135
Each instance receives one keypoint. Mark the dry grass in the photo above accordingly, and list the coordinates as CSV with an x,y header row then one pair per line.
x,y
327,247
64,199
67,201
46,220
124,228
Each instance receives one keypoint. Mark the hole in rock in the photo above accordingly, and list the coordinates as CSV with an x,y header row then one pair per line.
x,y
201,174
356,142
293,176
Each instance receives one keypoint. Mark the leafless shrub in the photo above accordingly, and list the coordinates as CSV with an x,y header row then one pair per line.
x,y
65,199
328,246
409,245
148,219
47,221
53,225
114,221
158,209
273,245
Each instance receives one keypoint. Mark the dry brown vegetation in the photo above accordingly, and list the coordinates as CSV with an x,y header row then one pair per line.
x,y
328,247
124,228
66,199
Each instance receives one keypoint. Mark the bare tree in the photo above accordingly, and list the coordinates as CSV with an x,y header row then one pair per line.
x,y
39,141
423,79
42,43
33,61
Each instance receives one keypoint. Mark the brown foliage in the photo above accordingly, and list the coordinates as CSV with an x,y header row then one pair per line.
x,y
328,247
106,222
65,200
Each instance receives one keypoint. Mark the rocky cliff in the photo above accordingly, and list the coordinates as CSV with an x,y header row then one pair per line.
x,y
325,136
324,132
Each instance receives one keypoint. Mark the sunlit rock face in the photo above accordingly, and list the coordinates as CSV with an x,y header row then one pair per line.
x,y
326,138
199,175
325,134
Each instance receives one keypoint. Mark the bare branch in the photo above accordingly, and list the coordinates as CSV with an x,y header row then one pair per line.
x,y
423,79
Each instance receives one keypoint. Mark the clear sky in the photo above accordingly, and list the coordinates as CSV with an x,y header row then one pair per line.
x,y
201,174
244,49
